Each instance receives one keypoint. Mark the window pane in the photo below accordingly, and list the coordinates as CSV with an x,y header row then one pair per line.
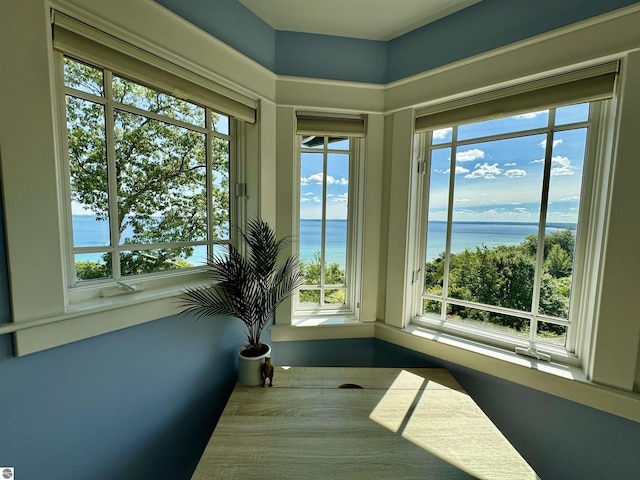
x,y
515,123
310,296
83,77
441,136
220,123
88,172
431,306
337,187
137,262
334,296
311,208
337,143
92,265
132,93
161,181
496,322
496,207
572,114
551,334
565,186
221,208
437,220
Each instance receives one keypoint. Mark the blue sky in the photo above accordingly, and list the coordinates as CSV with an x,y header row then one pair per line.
x,y
501,180
337,180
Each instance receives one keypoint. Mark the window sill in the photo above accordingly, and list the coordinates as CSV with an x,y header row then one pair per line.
x,y
565,381
322,327
95,316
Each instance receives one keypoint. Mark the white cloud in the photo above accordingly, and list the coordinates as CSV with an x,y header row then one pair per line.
x,y
538,161
463,200
520,210
485,170
516,172
341,198
459,170
528,116
336,181
512,164
317,179
543,143
441,134
561,166
469,155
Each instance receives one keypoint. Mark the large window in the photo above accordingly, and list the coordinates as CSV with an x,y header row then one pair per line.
x,y
502,227
148,176
326,227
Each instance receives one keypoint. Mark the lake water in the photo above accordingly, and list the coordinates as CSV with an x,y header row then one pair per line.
x,y
89,232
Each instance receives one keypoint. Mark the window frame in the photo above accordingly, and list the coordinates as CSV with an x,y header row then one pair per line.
x,y
351,308
584,273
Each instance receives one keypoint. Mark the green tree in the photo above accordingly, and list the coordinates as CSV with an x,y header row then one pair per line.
x,y
504,276
333,275
160,171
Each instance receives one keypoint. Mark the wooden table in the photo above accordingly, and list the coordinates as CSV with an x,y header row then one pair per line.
x,y
403,424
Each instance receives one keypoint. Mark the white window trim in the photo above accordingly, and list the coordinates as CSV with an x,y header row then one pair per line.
x,y
350,310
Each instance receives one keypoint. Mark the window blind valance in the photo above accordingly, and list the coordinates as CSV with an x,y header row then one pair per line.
x,y
89,44
331,124
585,85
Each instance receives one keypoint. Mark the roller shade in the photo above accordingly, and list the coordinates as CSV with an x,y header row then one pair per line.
x,y
86,43
586,85
335,125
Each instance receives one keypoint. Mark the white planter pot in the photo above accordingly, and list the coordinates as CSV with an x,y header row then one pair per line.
x,y
250,368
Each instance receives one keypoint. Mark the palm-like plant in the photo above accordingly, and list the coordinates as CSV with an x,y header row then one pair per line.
x,y
248,287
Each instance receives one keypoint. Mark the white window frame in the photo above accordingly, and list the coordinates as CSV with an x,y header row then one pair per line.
x,y
353,260
83,292
584,273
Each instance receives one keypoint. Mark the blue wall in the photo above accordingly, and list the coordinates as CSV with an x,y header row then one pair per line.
x,y
479,28
560,439
233,24
136,404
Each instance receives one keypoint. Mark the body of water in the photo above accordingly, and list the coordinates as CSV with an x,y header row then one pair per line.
x,y
465,235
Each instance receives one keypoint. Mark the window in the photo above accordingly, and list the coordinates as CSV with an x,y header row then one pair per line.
x,y
328,201
148,163
504,227
149,177
323,226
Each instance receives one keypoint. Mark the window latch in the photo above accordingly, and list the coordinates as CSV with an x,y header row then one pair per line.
x,y
533,352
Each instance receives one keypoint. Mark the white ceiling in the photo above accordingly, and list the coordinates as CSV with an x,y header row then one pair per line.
x,y
367,19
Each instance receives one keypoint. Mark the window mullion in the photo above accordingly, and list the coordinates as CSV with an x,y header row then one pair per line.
x,y
323,230
447,256
542,226
114,227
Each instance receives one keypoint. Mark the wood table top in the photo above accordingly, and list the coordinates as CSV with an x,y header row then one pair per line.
x,y
402,424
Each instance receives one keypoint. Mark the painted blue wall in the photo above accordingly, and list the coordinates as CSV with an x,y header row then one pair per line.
x,y
485,26
233,23
330,57
560,439
480,28
135,404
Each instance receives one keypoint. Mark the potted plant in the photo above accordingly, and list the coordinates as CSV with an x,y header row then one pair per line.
x,y
248,287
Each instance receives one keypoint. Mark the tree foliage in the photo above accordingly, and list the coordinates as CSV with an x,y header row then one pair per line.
x,y
333,275
504,277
